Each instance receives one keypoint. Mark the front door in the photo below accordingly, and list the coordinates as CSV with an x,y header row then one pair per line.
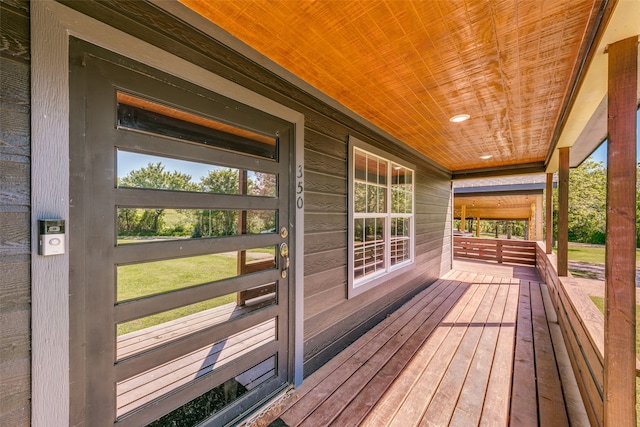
x,y
179,236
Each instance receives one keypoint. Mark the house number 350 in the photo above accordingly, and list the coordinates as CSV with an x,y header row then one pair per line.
x,y
299,187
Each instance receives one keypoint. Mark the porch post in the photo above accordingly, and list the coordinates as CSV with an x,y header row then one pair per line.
x,y
538,235
563,212
463,214
620,258
478,227
549,213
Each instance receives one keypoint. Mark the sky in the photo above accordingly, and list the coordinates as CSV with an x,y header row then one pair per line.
x,y
128,161
600,155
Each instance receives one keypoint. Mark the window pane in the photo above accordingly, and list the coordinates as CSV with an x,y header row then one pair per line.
x,y
382,171
137,170
360,197
138,225
369,254
360,165
201,408
150,117
372,170
150,278
148,386
382,200
400,240
146,333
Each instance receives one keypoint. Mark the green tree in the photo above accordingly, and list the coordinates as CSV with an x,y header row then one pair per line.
x,y
153,176
218,222
587,202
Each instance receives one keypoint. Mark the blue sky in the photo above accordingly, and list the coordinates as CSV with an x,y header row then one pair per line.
x,y
600,155
128,161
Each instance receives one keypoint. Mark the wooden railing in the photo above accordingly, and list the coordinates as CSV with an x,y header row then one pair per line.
x,y
582,326
500,250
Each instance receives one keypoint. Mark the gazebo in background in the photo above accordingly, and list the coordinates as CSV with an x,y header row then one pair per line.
x,y
501,199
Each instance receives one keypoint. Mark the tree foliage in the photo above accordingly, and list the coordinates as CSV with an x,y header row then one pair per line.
x,y
588,202
153,176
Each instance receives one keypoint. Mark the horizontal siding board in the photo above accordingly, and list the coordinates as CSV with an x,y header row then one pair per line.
x,y
16,390
324,222
325,203
19,417
314,161
316,304
15,32
20,6
16,187
321,183
320,242
15,292
322,261
325,279
14,334
14,85
14,132
324,144
15,232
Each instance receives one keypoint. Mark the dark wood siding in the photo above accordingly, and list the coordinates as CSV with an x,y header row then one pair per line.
x,y
331,320
15,199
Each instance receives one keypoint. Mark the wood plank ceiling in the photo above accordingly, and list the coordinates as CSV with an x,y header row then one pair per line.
x,y
409,66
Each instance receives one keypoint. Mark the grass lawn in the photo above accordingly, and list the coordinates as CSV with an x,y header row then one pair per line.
x,y
590,254
138,280
599,302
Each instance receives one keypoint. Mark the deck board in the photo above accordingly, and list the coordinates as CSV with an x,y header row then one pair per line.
x,y
472,349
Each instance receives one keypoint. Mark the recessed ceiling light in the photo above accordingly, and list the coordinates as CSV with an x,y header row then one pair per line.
x,y
485,157
459,118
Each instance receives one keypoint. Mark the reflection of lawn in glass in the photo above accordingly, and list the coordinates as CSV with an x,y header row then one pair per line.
x,y
144,279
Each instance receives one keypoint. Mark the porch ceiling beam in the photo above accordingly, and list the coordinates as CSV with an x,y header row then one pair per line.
x,y
620,258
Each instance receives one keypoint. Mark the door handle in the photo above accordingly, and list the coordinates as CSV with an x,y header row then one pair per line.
x,y
284,253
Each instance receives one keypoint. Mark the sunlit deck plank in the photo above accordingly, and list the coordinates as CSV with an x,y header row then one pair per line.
x,y
469,406
435,368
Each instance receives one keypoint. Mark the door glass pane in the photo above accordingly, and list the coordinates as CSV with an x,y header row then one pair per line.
x,y
150,385
143,115
143,225
200,408
151,278
146,333
137,170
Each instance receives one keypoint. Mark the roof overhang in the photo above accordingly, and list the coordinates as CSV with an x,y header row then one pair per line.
x,y
585,127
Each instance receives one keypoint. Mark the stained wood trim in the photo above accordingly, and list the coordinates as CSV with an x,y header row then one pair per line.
x,y
563,212
620,258
549,213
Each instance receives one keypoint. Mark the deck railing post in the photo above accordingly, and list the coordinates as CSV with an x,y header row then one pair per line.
x,y
620,258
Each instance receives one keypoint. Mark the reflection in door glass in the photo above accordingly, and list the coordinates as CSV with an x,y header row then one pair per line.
x,y
200,408
150,117
147,333
151,278
140,225
136,170
148,386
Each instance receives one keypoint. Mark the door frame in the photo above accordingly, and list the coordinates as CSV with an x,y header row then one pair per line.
x,y
51,25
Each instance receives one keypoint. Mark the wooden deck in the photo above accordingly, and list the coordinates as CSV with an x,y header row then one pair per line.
x,y
472,349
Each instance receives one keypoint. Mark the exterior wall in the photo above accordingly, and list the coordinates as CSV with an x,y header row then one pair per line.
x,y
15,195
331,320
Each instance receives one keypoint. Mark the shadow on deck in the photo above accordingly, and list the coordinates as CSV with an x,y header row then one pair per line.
x,y
478,347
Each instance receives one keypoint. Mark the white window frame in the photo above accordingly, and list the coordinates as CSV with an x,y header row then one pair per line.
x,y
388,272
